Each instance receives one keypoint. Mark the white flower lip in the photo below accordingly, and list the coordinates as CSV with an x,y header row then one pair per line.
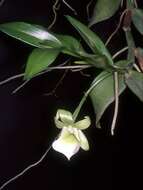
x,y
66,144
71,138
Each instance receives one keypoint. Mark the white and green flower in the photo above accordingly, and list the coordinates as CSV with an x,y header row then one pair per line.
x,y
71,137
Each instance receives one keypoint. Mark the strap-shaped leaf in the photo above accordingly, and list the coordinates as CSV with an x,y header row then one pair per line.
x,y
104,9
131,45
99,61
70,45
134,81
39,60
102,94
91,39
137,18
30,34
123,65
139,56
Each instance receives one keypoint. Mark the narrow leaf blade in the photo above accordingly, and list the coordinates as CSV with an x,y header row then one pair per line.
x,y
70,45
39,60
137,19
30,34
94,42
139,56
134,81
104,9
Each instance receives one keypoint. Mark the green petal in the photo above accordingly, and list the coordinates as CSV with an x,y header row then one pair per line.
x,y
59,124
82,140
64,116
83,124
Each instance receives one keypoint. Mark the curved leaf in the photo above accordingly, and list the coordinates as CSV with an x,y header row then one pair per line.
x,y
131,46
30,34
91,39
139,55
102,94
123,65
134,81
137,18
70,45
104,9
39,60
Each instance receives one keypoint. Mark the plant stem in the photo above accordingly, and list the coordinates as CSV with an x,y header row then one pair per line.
x,y
77,110
60,67
119,52
49,69
87,9
136,4
12,78
21,86
117,28
127,30
130,4
137,68
70,67
131,45
26,169
116,82
55,8
1,2
69,6
57,85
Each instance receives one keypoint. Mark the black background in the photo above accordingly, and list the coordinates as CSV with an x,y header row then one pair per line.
x,y
26,118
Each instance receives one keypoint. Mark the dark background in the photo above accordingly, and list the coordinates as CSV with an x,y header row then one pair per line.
x,y
26,118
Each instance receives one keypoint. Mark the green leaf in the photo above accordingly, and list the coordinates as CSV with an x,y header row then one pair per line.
x,y
70,45
123,65
30,34
131,45
137,18
39,60
134,81
130,4
139,55
91,39
104,9
95,60
102,94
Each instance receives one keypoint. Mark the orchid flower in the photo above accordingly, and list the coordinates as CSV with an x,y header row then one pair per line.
x,y
71,137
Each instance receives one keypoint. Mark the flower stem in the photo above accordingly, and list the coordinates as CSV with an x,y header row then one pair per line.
x,y
77,110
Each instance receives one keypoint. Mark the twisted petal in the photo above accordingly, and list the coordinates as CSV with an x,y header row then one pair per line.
x,y
83,124
66,144
59,124
83,140
64,116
